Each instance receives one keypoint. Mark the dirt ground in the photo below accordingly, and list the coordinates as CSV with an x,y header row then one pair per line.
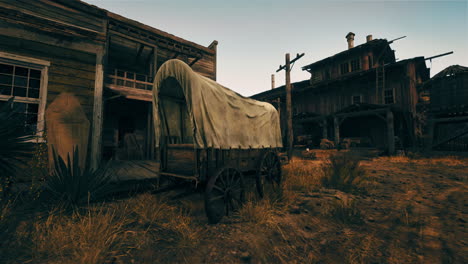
x,y
413,210
409,209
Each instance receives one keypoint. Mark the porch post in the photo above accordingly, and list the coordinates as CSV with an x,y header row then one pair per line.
x,y
336,124
96,135
324,129
390,133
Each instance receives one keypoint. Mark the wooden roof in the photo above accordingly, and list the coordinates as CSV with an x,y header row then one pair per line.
x,y
379,44
145,29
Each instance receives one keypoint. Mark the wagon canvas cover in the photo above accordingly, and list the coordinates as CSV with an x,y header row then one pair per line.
x,y
219,118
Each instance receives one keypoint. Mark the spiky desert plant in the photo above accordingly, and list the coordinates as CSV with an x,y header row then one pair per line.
x,y
72,185
16,146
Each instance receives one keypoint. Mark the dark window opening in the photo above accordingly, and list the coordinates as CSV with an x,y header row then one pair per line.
x,y
388,97
355,65
344,68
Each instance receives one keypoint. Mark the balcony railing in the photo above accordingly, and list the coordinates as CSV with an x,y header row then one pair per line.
x,y
130,80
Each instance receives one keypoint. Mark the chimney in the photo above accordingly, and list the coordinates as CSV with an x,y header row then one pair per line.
x,y
350,39
369,38
272,81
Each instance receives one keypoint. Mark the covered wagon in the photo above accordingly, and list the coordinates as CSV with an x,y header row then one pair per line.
x,y
209,134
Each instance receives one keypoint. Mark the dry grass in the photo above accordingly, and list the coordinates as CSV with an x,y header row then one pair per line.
x,y
91,237
343,172
420,160
260,213
327,227
344,211
302,175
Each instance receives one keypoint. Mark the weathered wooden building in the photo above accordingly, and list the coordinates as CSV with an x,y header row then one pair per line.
x,y
107,61
362,94
446,109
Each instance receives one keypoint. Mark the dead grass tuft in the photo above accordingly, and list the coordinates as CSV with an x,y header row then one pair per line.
x,y
91,237
343,172
259,213
344,211
302,175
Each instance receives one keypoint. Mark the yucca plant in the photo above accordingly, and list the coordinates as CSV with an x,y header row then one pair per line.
x,y
16,146
72,185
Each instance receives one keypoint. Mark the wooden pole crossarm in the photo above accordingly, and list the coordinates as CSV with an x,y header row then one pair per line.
x,y
393,40
440,55
298,56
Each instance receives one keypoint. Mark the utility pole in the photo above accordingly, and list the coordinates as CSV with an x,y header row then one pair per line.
x,y
287,67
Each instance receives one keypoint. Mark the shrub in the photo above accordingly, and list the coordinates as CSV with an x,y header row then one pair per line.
x,y
344,211
72,186
15,146
343,172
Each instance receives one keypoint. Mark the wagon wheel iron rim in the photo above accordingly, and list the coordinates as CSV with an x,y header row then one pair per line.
x,y
225,194
269,173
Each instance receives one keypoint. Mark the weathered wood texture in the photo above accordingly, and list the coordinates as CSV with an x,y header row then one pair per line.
x,y
69,71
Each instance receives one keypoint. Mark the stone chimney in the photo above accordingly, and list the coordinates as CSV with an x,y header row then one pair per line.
x,y
369,38
350,39
272,81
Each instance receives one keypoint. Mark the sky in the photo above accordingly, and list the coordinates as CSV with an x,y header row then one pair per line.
x,y
254,35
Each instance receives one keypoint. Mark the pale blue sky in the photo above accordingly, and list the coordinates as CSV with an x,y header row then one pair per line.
x,y
254,35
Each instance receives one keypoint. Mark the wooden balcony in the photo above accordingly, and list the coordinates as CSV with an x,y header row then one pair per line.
x,y
130,84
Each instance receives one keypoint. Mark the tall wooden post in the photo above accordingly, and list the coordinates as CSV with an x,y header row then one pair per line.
x,y
289,133
324,129
336,128
288,106
430,139
98,109
390,133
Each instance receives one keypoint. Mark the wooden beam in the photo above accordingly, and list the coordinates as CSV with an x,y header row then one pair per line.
x,y
324,128
194,61
390,132
430,139
140,50
155,63
290,137
450,119
336,125
363,113
98,109
42,102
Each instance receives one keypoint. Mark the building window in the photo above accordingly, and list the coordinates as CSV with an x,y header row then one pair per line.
x,y
25,79
371,62
356,65
389,96
356,99
344,68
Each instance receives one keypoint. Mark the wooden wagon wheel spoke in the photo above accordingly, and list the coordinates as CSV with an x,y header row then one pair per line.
x,y
217,198
269,173
218,188
230,183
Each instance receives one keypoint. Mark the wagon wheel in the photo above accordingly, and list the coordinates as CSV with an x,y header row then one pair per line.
x,y
269,174
224,194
